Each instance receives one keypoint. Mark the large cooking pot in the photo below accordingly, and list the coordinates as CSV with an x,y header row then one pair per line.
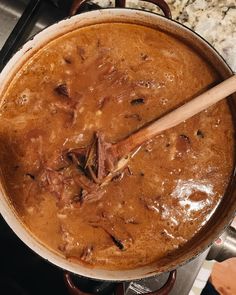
x,y
226,209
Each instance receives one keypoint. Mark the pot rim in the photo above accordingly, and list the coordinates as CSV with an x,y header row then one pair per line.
x,y
16,62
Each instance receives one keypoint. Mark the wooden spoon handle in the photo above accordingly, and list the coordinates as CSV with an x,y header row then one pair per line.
x,y
186,111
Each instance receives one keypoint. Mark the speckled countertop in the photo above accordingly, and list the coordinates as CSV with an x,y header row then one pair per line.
x,y
214,20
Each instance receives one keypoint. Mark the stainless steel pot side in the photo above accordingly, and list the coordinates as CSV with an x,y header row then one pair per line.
x,y
226,209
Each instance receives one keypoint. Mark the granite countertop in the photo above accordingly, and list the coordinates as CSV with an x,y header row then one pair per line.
x,y
213,20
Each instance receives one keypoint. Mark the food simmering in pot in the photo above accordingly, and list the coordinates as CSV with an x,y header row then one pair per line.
x,y
103,82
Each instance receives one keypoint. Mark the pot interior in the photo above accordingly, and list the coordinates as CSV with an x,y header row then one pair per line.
x,y
223,214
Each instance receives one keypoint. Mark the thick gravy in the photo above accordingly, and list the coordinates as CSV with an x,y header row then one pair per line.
x,y
113,78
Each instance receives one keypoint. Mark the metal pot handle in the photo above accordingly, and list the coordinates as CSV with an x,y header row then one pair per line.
x,y
119,289
224,247
74,288
160,3
77,5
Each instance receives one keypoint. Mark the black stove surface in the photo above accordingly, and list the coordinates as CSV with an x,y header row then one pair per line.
x,y
24,272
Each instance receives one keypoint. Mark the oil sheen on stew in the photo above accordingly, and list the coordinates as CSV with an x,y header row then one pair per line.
x,y
113,78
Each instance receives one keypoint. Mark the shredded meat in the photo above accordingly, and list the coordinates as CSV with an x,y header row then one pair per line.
x,y
66,103
101,150
59,184
86,184
57,161
74,175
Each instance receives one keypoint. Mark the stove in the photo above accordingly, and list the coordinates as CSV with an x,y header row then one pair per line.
x,y
23,271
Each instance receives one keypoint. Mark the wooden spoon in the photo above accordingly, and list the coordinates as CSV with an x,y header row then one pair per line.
x,y
119,154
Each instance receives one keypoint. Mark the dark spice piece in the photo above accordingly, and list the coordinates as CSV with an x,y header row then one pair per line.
x,y
185,138
67,60
62,90
137,101
141,174
117,242
144,56
200,134
30,175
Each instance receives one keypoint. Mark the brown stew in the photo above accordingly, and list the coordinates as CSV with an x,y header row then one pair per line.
x,y
113,78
